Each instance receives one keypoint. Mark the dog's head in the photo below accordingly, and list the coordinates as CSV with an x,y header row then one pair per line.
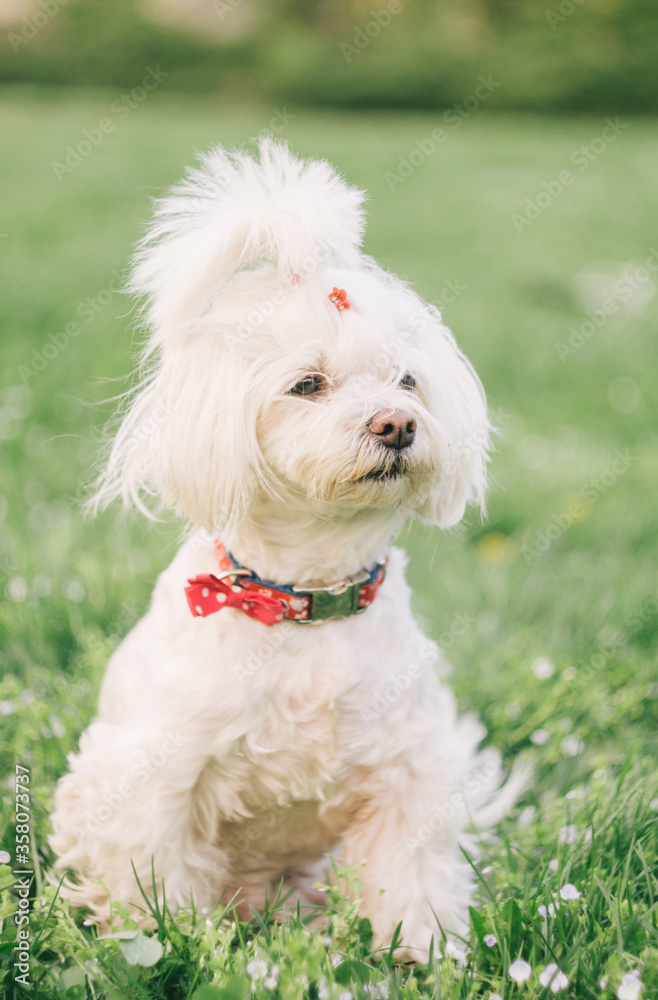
x,y
286,364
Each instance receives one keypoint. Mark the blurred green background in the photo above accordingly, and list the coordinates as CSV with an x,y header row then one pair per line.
x,y
575,55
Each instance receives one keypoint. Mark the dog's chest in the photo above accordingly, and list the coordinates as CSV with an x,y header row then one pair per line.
x,y
288,732
289,728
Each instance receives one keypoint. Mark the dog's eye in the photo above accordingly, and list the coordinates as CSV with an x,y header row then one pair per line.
x,y
307,387
408,382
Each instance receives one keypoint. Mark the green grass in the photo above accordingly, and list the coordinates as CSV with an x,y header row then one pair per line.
x,y
588,602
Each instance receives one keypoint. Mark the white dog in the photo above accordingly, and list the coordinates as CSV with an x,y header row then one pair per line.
x,y
301,403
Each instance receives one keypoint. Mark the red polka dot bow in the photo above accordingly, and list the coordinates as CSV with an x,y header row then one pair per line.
x,y
207,594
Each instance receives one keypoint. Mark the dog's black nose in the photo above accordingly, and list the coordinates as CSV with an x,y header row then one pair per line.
x,y
394,428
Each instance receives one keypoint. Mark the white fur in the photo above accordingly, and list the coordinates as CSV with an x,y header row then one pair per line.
x,y
228,754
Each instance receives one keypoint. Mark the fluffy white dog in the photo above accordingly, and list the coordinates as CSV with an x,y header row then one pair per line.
x,y
301,403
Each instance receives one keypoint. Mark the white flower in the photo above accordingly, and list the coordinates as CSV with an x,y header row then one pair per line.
x,y
74,589
543,668
551,976
570,673
345,995
336,960
526,816
552,864
6,707
490,940
630,987
540,737
378,990
571,746
5,857
653,804
548,911
457,953
270,983
495,996
568,834
575,793
569,891
57,726
17,589
323,990
520,971
257,969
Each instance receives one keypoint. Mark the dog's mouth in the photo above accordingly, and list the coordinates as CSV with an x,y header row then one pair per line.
x,y
386,473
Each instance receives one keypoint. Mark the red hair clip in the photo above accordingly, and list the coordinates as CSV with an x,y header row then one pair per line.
x,y
339,298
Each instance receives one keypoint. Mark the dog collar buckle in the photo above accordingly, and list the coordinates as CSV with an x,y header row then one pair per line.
x,y
331,603
337,588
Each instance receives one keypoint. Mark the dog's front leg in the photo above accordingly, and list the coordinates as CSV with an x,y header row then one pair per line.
x,y
131,800
408,860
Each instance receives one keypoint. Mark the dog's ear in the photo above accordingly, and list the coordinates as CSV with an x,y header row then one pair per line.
x,y
188,440
458,423
234,211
